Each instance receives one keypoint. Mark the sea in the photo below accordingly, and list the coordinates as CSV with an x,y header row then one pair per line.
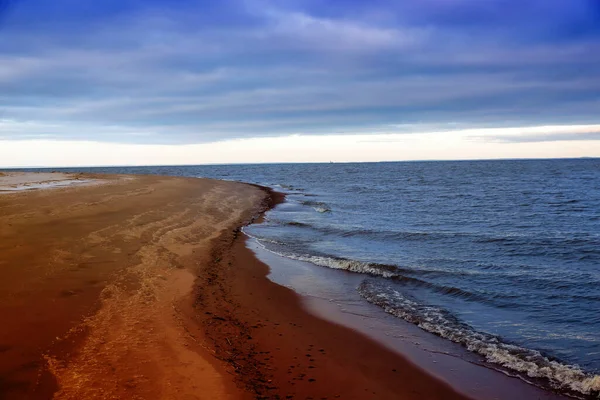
x,y
500,257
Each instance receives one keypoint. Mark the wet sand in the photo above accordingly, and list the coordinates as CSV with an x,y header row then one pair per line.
x,y
331,294
142,287
278,350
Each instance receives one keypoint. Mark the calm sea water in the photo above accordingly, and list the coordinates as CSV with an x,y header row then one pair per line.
x,y
502,257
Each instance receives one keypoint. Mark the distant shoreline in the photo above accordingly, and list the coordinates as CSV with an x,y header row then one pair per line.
x,y
100,167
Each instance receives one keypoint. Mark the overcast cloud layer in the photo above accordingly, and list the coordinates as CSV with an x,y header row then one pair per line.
x,y
180,72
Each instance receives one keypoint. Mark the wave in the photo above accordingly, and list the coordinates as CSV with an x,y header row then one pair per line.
x,y
389,271
423,276
289,187
318,206
587,246
375,269
383,270
440,322
356,231
396,273
589,243
527,362
298,224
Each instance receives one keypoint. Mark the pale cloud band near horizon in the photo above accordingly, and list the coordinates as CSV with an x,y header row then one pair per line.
x,y
497,143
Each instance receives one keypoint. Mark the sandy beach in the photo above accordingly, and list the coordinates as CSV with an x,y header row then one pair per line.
x,y
141,287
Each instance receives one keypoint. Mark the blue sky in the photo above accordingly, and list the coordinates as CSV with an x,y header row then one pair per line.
x,y
183,72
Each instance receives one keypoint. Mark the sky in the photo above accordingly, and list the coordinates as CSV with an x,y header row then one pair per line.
x,y
120,82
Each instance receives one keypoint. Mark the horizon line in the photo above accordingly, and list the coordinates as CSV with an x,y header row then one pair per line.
x,y
303,163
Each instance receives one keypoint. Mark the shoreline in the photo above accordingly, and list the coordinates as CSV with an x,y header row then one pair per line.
x,y
278,349
496,376
152,291
331,295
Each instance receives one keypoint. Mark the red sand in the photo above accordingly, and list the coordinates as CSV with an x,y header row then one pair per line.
x,y
99,300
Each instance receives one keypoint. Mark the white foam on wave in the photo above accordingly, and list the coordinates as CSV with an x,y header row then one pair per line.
x,y
346,265
318,206
529,362
333,263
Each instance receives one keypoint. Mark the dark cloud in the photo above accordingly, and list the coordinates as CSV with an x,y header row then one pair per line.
x,y
197,71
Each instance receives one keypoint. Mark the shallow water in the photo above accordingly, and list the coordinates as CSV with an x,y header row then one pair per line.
x,y
502,257
332,295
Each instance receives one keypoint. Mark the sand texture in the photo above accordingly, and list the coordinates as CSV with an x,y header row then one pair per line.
x,y
95,281
142,288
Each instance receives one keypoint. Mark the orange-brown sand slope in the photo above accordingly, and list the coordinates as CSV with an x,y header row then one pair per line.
x,y
95,286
